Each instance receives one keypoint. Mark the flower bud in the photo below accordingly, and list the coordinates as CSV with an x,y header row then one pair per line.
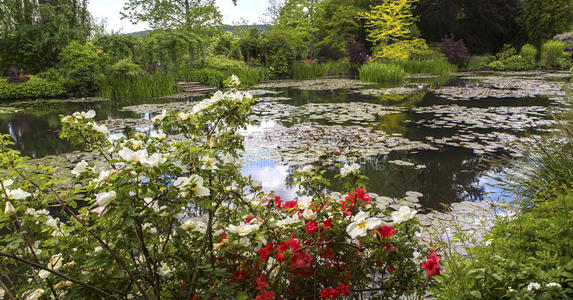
x,y
9,208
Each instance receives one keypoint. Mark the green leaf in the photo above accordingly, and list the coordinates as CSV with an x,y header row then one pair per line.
x,y
476,294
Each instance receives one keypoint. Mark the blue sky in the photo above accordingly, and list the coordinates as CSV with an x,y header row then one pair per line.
x,y
246,11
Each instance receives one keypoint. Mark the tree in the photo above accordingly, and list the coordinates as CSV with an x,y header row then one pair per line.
x,y
484,25
335,22
390,27
541,20
193,15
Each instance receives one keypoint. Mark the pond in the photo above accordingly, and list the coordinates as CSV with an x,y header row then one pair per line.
x,y
437,136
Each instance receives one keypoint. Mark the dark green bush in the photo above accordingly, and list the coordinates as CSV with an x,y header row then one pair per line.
x,y
82,66
529,53
479,62
206,76
512,63
36,87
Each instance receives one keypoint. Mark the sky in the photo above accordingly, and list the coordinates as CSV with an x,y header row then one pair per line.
x,y
246,12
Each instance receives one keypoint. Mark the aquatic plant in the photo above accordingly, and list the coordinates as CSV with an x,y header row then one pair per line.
x,y
552,53
381,72
142,85
304,71
436,66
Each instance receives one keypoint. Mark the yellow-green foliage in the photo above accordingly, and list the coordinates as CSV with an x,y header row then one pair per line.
x,y
379,72
389,27
34,88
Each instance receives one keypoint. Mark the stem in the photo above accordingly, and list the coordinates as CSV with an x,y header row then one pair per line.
x,y
36,265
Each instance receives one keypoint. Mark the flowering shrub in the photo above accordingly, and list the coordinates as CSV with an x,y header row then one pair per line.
x,y
160,217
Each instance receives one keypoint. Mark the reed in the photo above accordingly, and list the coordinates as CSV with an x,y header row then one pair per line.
x,y
436,66
141,86
304,71
381,72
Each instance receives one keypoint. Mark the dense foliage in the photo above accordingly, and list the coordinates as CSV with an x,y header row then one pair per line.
x,y
178,220
33,88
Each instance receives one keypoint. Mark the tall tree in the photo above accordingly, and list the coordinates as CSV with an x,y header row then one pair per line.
x,y
194,15
335,22
484,25
540,20
390,28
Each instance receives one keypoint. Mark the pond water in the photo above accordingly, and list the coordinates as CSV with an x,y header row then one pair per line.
x,y
420,137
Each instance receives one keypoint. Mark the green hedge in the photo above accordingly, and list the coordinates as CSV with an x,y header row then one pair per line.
x,y
36,87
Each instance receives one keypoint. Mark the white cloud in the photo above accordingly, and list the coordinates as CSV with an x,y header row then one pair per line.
x,y
246,11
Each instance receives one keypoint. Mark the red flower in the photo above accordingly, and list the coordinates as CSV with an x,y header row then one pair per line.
x,y
289,204
266,251
386,231
389,247
301,260
248,219
293,244
344,289
311,227
329,293
431,265
240,275
261,282
266,295
327,224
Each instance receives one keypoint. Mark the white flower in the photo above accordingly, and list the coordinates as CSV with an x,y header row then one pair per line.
x,y
2,292
7,182
306,169
35,295
403,214
243,229
362,224
98,249
154,160
148,227
165,270
304,202
159,117
84,115
235,80
79,168
533,286
159,135
198,189
288,221
348,169
132,156
194,225
51,222
18,194
553,285
56,262
183,116
308,214
9,208
103,199
101,128
44,274
209,163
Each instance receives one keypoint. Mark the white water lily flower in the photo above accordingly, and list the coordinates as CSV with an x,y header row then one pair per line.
x,y
243,229
235,80
403,214
9,208
18,194
159,117
533,286
362,224
209,163
8,182
165,270
348,169
103,199
304,202
79,168
35,295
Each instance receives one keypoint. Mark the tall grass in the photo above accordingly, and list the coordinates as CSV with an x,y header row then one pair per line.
x,y
436,66
552,53
303,71
142,86
215,77
380,72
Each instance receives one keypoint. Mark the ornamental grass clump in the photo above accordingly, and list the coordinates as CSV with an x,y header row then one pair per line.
x,y
156,217
381,72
